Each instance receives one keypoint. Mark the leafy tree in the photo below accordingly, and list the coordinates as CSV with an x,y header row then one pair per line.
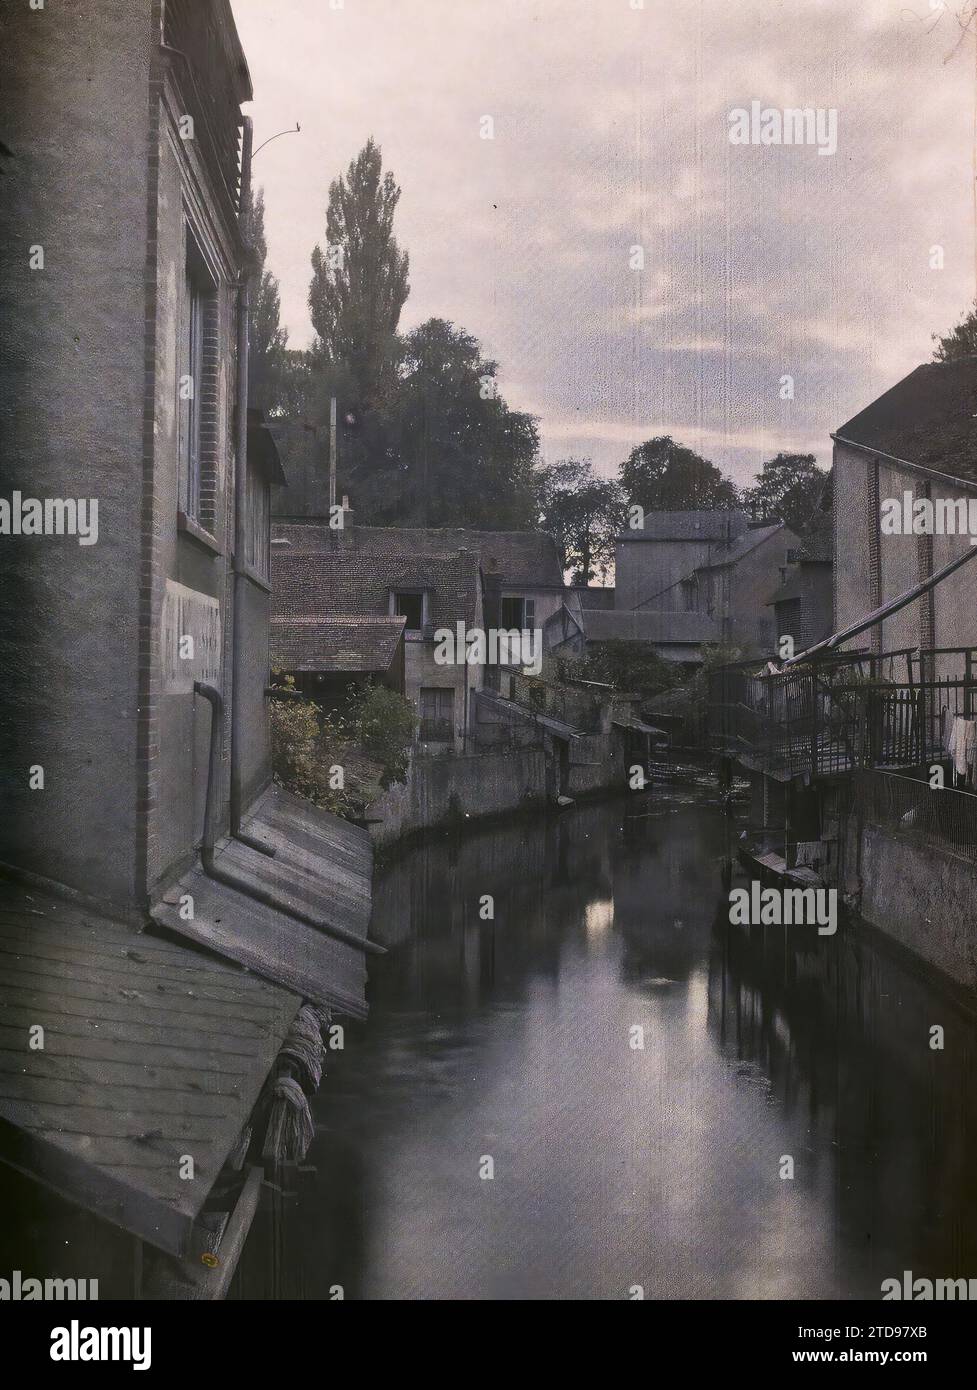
x,y
442,447
267,340
584,512
960,341
662,476
359,283
789,488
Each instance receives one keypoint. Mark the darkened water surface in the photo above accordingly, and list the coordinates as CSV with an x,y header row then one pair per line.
x,y
615,1167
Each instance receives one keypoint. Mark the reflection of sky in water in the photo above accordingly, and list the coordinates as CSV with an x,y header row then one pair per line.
x,y
616,1166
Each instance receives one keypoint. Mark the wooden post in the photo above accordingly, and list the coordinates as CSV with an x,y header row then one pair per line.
x,y
968,676
332,453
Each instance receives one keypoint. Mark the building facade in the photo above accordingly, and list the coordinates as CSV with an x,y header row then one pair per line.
x,y
135,554
688,580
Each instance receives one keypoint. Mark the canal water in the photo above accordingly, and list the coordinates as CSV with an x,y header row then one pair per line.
x,y
510,1045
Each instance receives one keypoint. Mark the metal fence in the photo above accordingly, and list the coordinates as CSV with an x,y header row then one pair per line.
x,y
843,712
944,816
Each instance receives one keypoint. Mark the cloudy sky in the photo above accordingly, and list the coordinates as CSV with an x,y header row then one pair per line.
x,y
611,131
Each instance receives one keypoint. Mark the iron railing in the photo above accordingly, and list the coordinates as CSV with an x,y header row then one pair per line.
x,y
943,816
842,712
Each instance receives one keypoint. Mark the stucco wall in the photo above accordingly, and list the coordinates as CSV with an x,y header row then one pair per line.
x,y
752,583
480,784
76,116
954,600
645,568
923,897
851,521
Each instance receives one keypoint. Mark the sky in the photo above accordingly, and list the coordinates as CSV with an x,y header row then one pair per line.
x,y
611,128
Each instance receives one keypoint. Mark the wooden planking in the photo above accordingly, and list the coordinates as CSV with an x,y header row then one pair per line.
x,y
299,888
324,860
336,843
146,1058
272,943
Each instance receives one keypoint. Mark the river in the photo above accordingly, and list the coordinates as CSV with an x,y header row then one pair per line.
x,y
594,1093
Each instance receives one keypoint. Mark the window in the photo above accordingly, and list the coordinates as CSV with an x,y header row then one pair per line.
x,y
197,391
409,605
518,613
437,714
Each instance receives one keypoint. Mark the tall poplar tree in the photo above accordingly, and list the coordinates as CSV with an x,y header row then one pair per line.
x,y
359,279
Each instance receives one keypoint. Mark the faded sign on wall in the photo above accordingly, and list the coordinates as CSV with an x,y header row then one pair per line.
x,y
191,639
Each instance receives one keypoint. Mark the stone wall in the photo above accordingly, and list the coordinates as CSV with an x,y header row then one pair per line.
x,y
442,791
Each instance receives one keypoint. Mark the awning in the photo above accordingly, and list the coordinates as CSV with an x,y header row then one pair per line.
x,y
152,1051
321,868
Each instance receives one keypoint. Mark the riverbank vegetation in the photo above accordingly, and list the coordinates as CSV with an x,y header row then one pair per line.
x,y
340,761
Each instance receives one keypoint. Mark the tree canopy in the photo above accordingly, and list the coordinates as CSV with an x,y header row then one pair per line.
x,y
584,512
441,446
661,476
360,281
789,488
960,342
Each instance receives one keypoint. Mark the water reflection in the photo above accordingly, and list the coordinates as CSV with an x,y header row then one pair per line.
x,y
513,1037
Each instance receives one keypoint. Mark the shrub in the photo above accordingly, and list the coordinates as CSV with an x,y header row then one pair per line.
x,y
385,724
304,745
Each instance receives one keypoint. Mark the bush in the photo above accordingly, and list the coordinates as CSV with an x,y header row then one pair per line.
x,y
629,667
385,724
305,744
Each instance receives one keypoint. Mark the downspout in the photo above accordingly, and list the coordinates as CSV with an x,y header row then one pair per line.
x,y
241,500
221,875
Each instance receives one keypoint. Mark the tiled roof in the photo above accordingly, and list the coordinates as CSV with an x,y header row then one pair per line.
x,y
354,644
689,526
348,582
522,558
929,418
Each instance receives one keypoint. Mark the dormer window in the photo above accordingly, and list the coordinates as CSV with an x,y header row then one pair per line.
x,y
412,605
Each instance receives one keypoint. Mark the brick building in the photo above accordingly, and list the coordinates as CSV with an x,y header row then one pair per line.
x,y
135,741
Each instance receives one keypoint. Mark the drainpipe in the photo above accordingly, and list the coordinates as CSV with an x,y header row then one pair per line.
x,y
240,504
221,875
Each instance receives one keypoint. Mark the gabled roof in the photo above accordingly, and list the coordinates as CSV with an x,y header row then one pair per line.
x,y
527,559
928,419
716,526
742,547
358,645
